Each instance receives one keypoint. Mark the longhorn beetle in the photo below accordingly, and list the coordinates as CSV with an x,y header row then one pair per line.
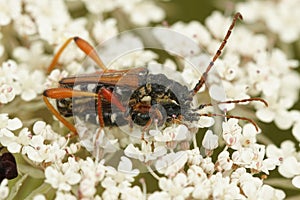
x,y
148,102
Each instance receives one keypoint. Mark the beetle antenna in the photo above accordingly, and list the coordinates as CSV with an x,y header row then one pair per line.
x,y
217,54
235,101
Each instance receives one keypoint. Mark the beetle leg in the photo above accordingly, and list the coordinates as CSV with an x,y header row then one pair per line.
x,y
110,97
155,114
99,109
59,116
88,49
147,125
59,93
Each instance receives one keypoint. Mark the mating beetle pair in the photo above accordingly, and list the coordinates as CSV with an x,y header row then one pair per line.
x,y
141,98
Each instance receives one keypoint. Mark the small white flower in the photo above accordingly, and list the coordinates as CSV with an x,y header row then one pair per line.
x,y
196,176
178,44
250,185
100,7
168,68
101,141
9,10
25,55
7,93
170,134
194,156
64,196
125,166
246,42
296,181
140,15
217,92
194,66
290,167
216,23
116,181
159,195
73,148
171,163
205,121
10,124
228,66
123,176
278,14
92,173
105,30
31,83
195,31
4,190
202,190
210,141
268,192
15,143
224,161
253,158
232,133
137,58
55,76
92,169
223,188
296,130
244,156
132,193
207,165
177,187
87,188
39,197
287,149
9,85
25,26
233,91
112,192
45,16
64,177
116,48
146,153
45,130
248,136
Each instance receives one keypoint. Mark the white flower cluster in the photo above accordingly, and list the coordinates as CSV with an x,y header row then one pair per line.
x,y
138,10
289,160
249,68
230,164
34,145
227,178
22,79
279,16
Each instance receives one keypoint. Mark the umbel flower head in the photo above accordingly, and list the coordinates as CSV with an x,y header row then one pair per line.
x,y
207,157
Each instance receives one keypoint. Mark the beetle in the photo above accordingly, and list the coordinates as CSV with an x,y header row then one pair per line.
x,y
120,97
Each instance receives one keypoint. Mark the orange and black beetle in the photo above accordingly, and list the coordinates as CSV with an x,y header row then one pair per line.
x,y
119,97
